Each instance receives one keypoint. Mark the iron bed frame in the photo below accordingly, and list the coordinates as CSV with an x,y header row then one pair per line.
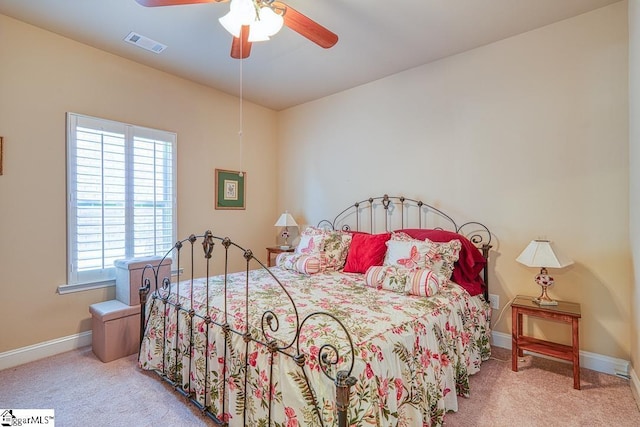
x,y
367,214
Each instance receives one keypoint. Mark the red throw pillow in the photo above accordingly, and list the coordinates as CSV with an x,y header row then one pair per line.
x,y
466,272
366,250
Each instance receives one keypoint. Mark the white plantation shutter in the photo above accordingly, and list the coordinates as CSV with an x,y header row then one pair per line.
x,y
121,195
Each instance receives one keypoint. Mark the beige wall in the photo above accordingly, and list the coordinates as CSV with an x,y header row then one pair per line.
x,y
527,135
42,76
634,178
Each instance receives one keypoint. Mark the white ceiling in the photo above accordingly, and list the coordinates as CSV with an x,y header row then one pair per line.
x,y
376,38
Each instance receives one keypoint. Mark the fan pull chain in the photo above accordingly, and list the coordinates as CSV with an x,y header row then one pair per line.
x,y
241,108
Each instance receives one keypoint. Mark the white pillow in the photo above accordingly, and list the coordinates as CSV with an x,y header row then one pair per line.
x,y
410,254
310,244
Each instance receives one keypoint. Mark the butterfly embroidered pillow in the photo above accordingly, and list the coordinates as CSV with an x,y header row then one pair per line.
x,y
312,244
410,254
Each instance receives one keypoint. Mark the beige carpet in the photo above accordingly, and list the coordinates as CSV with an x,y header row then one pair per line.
x,y
84,391
541,393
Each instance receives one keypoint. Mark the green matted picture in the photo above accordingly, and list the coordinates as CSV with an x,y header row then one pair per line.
x,y
230,189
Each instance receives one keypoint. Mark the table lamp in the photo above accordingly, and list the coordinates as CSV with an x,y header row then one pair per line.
x,y
286,221
543,254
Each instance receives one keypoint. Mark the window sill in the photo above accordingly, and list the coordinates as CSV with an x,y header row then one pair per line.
x,y
80,287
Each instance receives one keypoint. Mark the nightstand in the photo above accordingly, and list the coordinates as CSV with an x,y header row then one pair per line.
x,y
275,250
567,312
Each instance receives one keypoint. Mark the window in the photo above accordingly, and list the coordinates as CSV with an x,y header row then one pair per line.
x,y
121,184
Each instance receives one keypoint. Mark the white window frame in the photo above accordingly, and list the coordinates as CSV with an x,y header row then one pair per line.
x,y
105,276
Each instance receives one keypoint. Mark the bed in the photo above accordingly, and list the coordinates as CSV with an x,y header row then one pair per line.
x,y
378,318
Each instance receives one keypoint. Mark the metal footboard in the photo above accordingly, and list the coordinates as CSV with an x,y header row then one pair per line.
x,y
163,295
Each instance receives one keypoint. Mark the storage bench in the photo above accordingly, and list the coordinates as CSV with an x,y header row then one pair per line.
x,y
116,329
129,276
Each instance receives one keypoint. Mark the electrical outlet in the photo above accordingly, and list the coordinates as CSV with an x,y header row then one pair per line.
x,y
494,301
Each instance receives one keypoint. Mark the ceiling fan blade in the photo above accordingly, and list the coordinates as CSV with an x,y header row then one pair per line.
x,y
307,27
241,46
155,3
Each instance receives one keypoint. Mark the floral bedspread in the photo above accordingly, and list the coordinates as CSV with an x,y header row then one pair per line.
x,y
413,355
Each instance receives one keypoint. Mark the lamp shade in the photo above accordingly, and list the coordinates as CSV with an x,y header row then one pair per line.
x,y
543,253
286,220
270,20
241,12
267,24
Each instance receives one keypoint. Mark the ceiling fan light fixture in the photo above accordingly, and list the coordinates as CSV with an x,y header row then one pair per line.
x,y
271,21
257,33
268,18
241,12
268,24
231,24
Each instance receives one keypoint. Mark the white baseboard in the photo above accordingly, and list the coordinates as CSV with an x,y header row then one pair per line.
x,y
23,355
593,361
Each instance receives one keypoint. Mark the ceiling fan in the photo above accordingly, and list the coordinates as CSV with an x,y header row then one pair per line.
x,y
252,14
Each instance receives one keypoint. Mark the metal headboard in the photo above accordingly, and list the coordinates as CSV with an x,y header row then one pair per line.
x,y
388,213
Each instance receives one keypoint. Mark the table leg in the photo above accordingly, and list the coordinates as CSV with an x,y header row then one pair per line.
x,y
515,331
520,316
576,353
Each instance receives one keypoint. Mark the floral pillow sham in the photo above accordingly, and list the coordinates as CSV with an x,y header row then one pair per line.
x,y
330,246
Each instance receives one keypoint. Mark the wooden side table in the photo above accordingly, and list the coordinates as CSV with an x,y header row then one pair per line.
x,y
567,312
275,250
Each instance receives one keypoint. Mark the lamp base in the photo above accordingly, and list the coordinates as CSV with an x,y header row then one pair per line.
x,y
285,236
545,302
544,298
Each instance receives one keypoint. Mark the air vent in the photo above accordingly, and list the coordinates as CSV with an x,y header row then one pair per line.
x,y
144,42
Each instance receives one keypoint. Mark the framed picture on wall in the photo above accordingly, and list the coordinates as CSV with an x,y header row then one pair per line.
x,y
230,189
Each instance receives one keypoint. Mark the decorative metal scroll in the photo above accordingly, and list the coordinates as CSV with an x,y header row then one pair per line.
x,y
331,361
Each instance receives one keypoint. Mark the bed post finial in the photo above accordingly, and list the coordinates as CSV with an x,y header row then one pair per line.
x,y
386,201
343,382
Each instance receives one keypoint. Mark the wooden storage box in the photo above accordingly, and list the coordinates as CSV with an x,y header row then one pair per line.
x,y
129,276
116,329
